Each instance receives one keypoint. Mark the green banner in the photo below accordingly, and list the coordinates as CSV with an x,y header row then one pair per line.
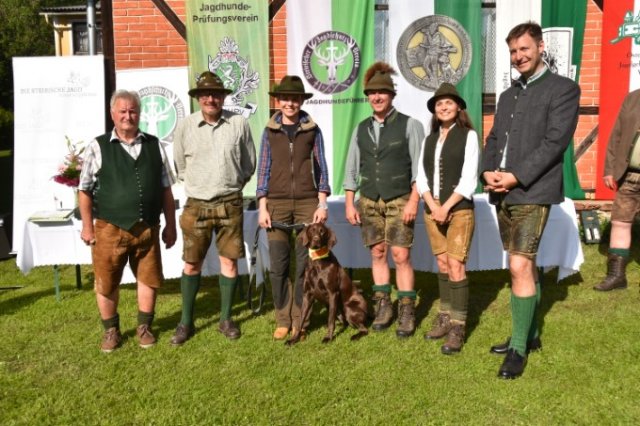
x,y
469,14
572,14
231,40
355,18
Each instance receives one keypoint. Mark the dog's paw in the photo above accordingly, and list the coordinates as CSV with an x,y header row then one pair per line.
x,y
358,335
327,339
291,342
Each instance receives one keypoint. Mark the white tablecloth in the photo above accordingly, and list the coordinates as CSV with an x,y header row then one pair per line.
x,y
60,244
560,245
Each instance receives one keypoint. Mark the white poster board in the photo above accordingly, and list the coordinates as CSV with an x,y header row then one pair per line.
x,y
54,97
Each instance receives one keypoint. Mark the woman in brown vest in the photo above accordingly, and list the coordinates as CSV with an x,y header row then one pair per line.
x,y
447,179
293,185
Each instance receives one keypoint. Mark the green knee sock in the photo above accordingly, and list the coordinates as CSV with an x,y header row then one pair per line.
x,y
459,299
522,311
445,292
227,287
114,321
189,286
145,318
411,294
383,288
620,252
534,331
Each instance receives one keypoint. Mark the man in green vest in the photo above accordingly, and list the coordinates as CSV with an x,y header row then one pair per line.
x,y
382,164
124,186
215,158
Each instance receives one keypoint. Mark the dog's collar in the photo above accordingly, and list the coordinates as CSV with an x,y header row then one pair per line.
x,y
319,253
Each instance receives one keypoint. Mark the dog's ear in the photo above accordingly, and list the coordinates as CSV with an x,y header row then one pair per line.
x,y
332,240
302,237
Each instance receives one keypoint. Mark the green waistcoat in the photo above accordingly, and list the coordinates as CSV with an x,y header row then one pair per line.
x,y
127,190
385,168
451,162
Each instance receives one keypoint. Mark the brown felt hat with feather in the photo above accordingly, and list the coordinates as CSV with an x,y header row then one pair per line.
x,y
378,77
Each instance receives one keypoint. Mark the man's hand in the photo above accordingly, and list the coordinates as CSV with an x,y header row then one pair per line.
x,y
352,214
507,181
492,180
169,236
410,212
500,182
610,182
88,236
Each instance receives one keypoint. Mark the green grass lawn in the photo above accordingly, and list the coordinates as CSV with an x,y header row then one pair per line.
x,y
52,372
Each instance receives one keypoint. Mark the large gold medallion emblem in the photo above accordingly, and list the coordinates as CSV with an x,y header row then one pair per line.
x,y
432,50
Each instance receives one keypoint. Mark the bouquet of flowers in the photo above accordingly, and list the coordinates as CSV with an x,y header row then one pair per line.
x,y
69,170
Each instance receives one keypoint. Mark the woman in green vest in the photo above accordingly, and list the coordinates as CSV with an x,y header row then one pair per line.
x,y
446,181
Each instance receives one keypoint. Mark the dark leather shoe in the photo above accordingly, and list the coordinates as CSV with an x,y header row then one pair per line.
x,y
513,365
182,334
229,329
502,348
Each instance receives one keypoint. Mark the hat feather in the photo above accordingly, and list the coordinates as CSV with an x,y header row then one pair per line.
x,y
378,67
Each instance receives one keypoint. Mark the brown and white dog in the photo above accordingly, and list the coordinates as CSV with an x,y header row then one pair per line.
x,y
325,280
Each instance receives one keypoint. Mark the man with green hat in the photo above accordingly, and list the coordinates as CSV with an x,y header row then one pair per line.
x,y
291,141
382,163
215,157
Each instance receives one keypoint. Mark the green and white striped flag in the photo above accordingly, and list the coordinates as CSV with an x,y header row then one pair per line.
x,y
330,43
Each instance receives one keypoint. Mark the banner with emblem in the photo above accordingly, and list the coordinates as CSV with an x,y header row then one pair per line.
x,y
432,42
619,75
231,39
330,43
163,97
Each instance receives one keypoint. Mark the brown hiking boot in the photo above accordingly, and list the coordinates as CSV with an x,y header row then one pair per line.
x,y
406,317
146,339
111,340
441,326
182,334
383,311
229,329
455,339
616,278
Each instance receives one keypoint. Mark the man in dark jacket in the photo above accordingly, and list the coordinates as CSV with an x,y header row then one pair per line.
x,y
522,168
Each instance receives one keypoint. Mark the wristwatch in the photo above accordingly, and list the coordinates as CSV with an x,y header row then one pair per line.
x,y
323,206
